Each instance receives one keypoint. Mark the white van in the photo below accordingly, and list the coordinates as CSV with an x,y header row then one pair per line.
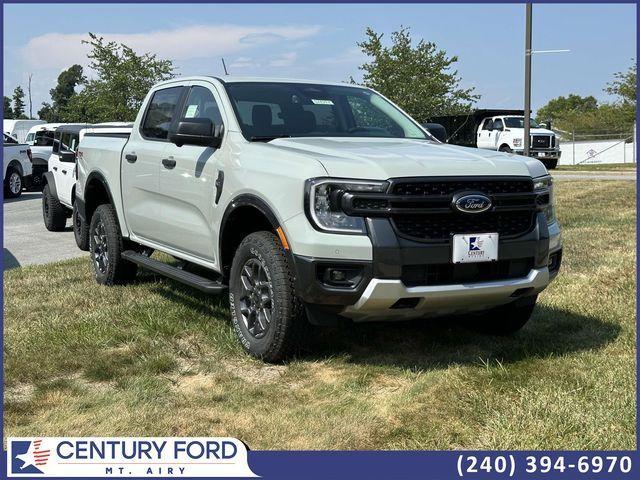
x,y
19,129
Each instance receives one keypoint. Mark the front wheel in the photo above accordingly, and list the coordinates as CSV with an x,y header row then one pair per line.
x,y
506,319
550,164
505,149
13,183
53,212
80,230
106,246
266,313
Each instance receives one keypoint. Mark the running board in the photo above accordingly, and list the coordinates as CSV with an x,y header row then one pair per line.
x,y
174,273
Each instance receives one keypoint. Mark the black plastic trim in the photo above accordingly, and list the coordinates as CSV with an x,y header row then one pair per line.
x,y
51,181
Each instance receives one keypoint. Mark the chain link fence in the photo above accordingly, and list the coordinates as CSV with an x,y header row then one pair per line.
x,y
597,148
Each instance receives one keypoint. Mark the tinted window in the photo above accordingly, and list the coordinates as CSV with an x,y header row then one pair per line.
x,y
497,125
9,139
201,104
269,110
69,142
487,124
160,112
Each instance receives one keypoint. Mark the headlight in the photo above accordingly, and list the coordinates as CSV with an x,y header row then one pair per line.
x,y
517,142
324,203
540,185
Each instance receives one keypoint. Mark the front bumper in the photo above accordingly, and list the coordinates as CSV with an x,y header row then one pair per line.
x,y
546,154
380,294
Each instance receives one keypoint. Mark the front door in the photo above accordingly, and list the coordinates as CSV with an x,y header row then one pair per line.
x,y
187,182
484,139
141,165
63,171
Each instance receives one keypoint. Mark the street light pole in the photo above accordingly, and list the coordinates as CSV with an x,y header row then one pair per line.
x,y
527,82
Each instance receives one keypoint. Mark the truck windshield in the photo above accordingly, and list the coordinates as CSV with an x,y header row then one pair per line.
x,y
518,122
274,110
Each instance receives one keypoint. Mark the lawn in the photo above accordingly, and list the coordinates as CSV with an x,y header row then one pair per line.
x,y
598,167
157,359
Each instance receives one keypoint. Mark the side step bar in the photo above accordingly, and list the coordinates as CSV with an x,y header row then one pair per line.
x,y
188,278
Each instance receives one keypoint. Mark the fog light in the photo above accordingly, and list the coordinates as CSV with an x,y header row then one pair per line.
x,y
339,276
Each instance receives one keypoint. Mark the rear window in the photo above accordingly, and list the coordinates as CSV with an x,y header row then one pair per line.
x,y
160,113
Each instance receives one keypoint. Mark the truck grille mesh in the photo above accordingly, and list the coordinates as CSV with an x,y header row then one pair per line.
x,y
540,141
438,227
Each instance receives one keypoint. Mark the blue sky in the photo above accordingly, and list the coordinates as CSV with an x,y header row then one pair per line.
x,y
319,41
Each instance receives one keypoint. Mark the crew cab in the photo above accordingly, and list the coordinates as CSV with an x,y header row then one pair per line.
x,y
502,130
40,140
312,201
16,160
59,182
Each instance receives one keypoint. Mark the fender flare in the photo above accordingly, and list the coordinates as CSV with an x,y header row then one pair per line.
x,y
82,204
50,180
15,163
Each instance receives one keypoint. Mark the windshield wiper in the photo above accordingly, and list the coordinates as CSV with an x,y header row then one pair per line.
x,y
268,138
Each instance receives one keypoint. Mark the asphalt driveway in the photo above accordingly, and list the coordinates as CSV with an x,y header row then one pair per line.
x,y
27,241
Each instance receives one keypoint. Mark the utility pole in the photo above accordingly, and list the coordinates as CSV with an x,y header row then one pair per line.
x,y
527,82
30,103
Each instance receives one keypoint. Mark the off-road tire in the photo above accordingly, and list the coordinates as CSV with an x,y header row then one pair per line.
x,y
105,236
53,212
80,230
13,172
551,164
287,329
506,319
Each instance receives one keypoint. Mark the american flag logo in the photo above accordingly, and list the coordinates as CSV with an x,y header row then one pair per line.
x,y
35,456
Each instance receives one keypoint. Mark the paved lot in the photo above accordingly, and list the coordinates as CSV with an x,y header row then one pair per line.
x,y
27,241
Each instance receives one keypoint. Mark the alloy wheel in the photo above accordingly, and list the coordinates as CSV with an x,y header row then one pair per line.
x,y
15,183
100,251
256,300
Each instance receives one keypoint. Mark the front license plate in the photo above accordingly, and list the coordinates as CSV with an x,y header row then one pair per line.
x,y
475,247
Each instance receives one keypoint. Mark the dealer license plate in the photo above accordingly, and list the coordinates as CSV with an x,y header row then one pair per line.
x,y
475,247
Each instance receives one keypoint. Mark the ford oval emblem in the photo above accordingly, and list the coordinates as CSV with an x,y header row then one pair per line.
x,y
472,203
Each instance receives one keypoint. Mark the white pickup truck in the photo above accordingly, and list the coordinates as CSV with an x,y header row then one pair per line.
x,y
311,201
16,160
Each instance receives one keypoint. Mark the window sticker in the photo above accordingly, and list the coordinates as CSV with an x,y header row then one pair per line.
x,y
191,111
317,101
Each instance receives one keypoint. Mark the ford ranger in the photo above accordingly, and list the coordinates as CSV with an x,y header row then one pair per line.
x,y
312,201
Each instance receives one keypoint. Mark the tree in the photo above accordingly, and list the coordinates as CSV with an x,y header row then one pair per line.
x,y
18,103
418,78
561,108
8,111
624,85
123,80
64,90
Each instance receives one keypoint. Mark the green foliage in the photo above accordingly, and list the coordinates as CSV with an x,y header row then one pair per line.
x,y
583,115
18,103
418,78
8,111
123,80
65,89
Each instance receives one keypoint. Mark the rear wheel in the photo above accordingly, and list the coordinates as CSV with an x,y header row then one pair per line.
x,y
506,319
506,149
53,212
267,315
13,183
80,230
106,246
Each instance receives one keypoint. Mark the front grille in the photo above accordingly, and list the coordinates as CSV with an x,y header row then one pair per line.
x,y
448,274
540,141
442,226
512,215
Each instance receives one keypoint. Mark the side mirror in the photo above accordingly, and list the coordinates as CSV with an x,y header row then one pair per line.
x,y
68,156
197,131
437,131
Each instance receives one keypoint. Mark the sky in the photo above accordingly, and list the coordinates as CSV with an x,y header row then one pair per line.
x,y
319,42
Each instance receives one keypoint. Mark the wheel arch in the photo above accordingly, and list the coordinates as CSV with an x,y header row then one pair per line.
x,y
96,192
245,214
15,164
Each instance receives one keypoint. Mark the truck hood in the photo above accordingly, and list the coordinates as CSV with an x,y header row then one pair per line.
x,y
382,158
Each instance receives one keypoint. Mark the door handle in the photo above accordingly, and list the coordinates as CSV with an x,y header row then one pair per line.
x,y
64,172
168,163
131,157
55,168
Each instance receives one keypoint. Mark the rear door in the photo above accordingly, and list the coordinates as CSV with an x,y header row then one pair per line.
x,y
187,203
484,139
498,129
141,163
63,171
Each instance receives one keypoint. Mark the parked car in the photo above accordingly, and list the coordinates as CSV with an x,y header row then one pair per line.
x,y
501,130
40,139
313,201
59,182
17,166
19,129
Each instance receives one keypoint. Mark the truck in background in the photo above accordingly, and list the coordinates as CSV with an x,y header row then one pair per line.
x,y
501,130
19,129
40,139
59,181
16,160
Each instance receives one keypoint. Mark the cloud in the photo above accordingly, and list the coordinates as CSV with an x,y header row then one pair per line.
x,y
352,55
59,50
283,60
242,62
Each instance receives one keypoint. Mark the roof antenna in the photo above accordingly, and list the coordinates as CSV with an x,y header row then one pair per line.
x,y
224,65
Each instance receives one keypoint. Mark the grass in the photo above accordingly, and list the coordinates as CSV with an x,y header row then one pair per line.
x,y
598,167
157,359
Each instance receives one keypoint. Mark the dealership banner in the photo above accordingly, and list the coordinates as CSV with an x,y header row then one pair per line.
x,y
127,457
